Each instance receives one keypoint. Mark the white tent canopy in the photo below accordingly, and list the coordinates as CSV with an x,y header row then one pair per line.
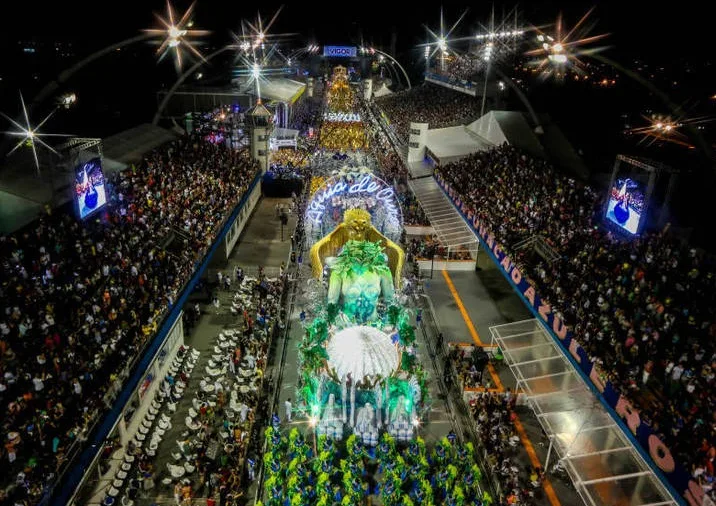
x,y
494,128
498,127
453,143
382,91
281,89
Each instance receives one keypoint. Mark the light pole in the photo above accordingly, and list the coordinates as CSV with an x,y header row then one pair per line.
x,y
407,79
181,80
313,423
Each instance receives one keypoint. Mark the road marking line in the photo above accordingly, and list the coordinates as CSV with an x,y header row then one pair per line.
x,y
546,484
471,328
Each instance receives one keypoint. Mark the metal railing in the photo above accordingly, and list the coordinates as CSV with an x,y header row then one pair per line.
x,y
292,280
540,246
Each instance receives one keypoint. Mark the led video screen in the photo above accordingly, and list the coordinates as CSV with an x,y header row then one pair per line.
x,y
90,195
626,204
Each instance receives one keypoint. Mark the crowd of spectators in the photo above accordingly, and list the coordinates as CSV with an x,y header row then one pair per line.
x,y
427,247
460,67
289,163
306,114
436,105
642,308
80,299
423,248
494,416
469,363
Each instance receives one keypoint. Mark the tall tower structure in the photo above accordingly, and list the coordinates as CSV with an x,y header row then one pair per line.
x,y
309,86
258,120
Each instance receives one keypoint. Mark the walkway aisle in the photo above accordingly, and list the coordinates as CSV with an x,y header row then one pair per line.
x,y
439,421
466,305
259,245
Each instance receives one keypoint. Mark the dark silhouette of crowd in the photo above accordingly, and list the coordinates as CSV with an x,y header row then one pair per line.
x,y
438,106
81,299
460,68
642,308
306,113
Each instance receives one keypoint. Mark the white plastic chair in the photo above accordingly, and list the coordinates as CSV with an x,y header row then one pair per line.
x,y
176,471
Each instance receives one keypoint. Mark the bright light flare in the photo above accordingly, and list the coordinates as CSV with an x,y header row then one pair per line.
x,y
176,35
561,51
67,100
660,128
29,135
441,40
259,33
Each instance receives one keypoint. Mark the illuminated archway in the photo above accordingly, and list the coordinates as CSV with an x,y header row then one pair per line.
x,y
354,190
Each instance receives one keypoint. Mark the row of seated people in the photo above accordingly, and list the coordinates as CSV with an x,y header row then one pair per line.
x,y
429,103
645,309
230,397
80,299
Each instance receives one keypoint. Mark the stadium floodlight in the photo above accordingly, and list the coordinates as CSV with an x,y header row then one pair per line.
x,y
564,50
558,59
67,100
176,35
30,135
665,128
441,41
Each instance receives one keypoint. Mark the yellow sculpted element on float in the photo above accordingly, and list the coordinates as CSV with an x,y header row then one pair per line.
x,y
356,226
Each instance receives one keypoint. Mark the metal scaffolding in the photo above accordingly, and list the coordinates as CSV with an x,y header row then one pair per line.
x,y
599,458
449,226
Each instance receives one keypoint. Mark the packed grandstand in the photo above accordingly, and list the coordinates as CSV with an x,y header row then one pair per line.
x,y
82,299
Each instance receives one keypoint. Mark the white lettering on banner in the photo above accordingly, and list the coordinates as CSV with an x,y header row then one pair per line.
x,y
341,117
367,185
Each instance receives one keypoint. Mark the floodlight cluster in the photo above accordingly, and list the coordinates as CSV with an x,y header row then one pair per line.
x,y
559,52
499,35
176,35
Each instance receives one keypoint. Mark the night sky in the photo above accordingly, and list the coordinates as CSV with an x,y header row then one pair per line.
x,y
119,91
636,26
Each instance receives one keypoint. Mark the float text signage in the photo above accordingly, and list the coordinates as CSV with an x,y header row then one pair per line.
x,y
368,187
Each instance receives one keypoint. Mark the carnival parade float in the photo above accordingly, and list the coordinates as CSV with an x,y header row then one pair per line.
x,y
362,390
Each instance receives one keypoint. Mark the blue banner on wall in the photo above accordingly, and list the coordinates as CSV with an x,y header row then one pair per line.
x,y
672,474
340,51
